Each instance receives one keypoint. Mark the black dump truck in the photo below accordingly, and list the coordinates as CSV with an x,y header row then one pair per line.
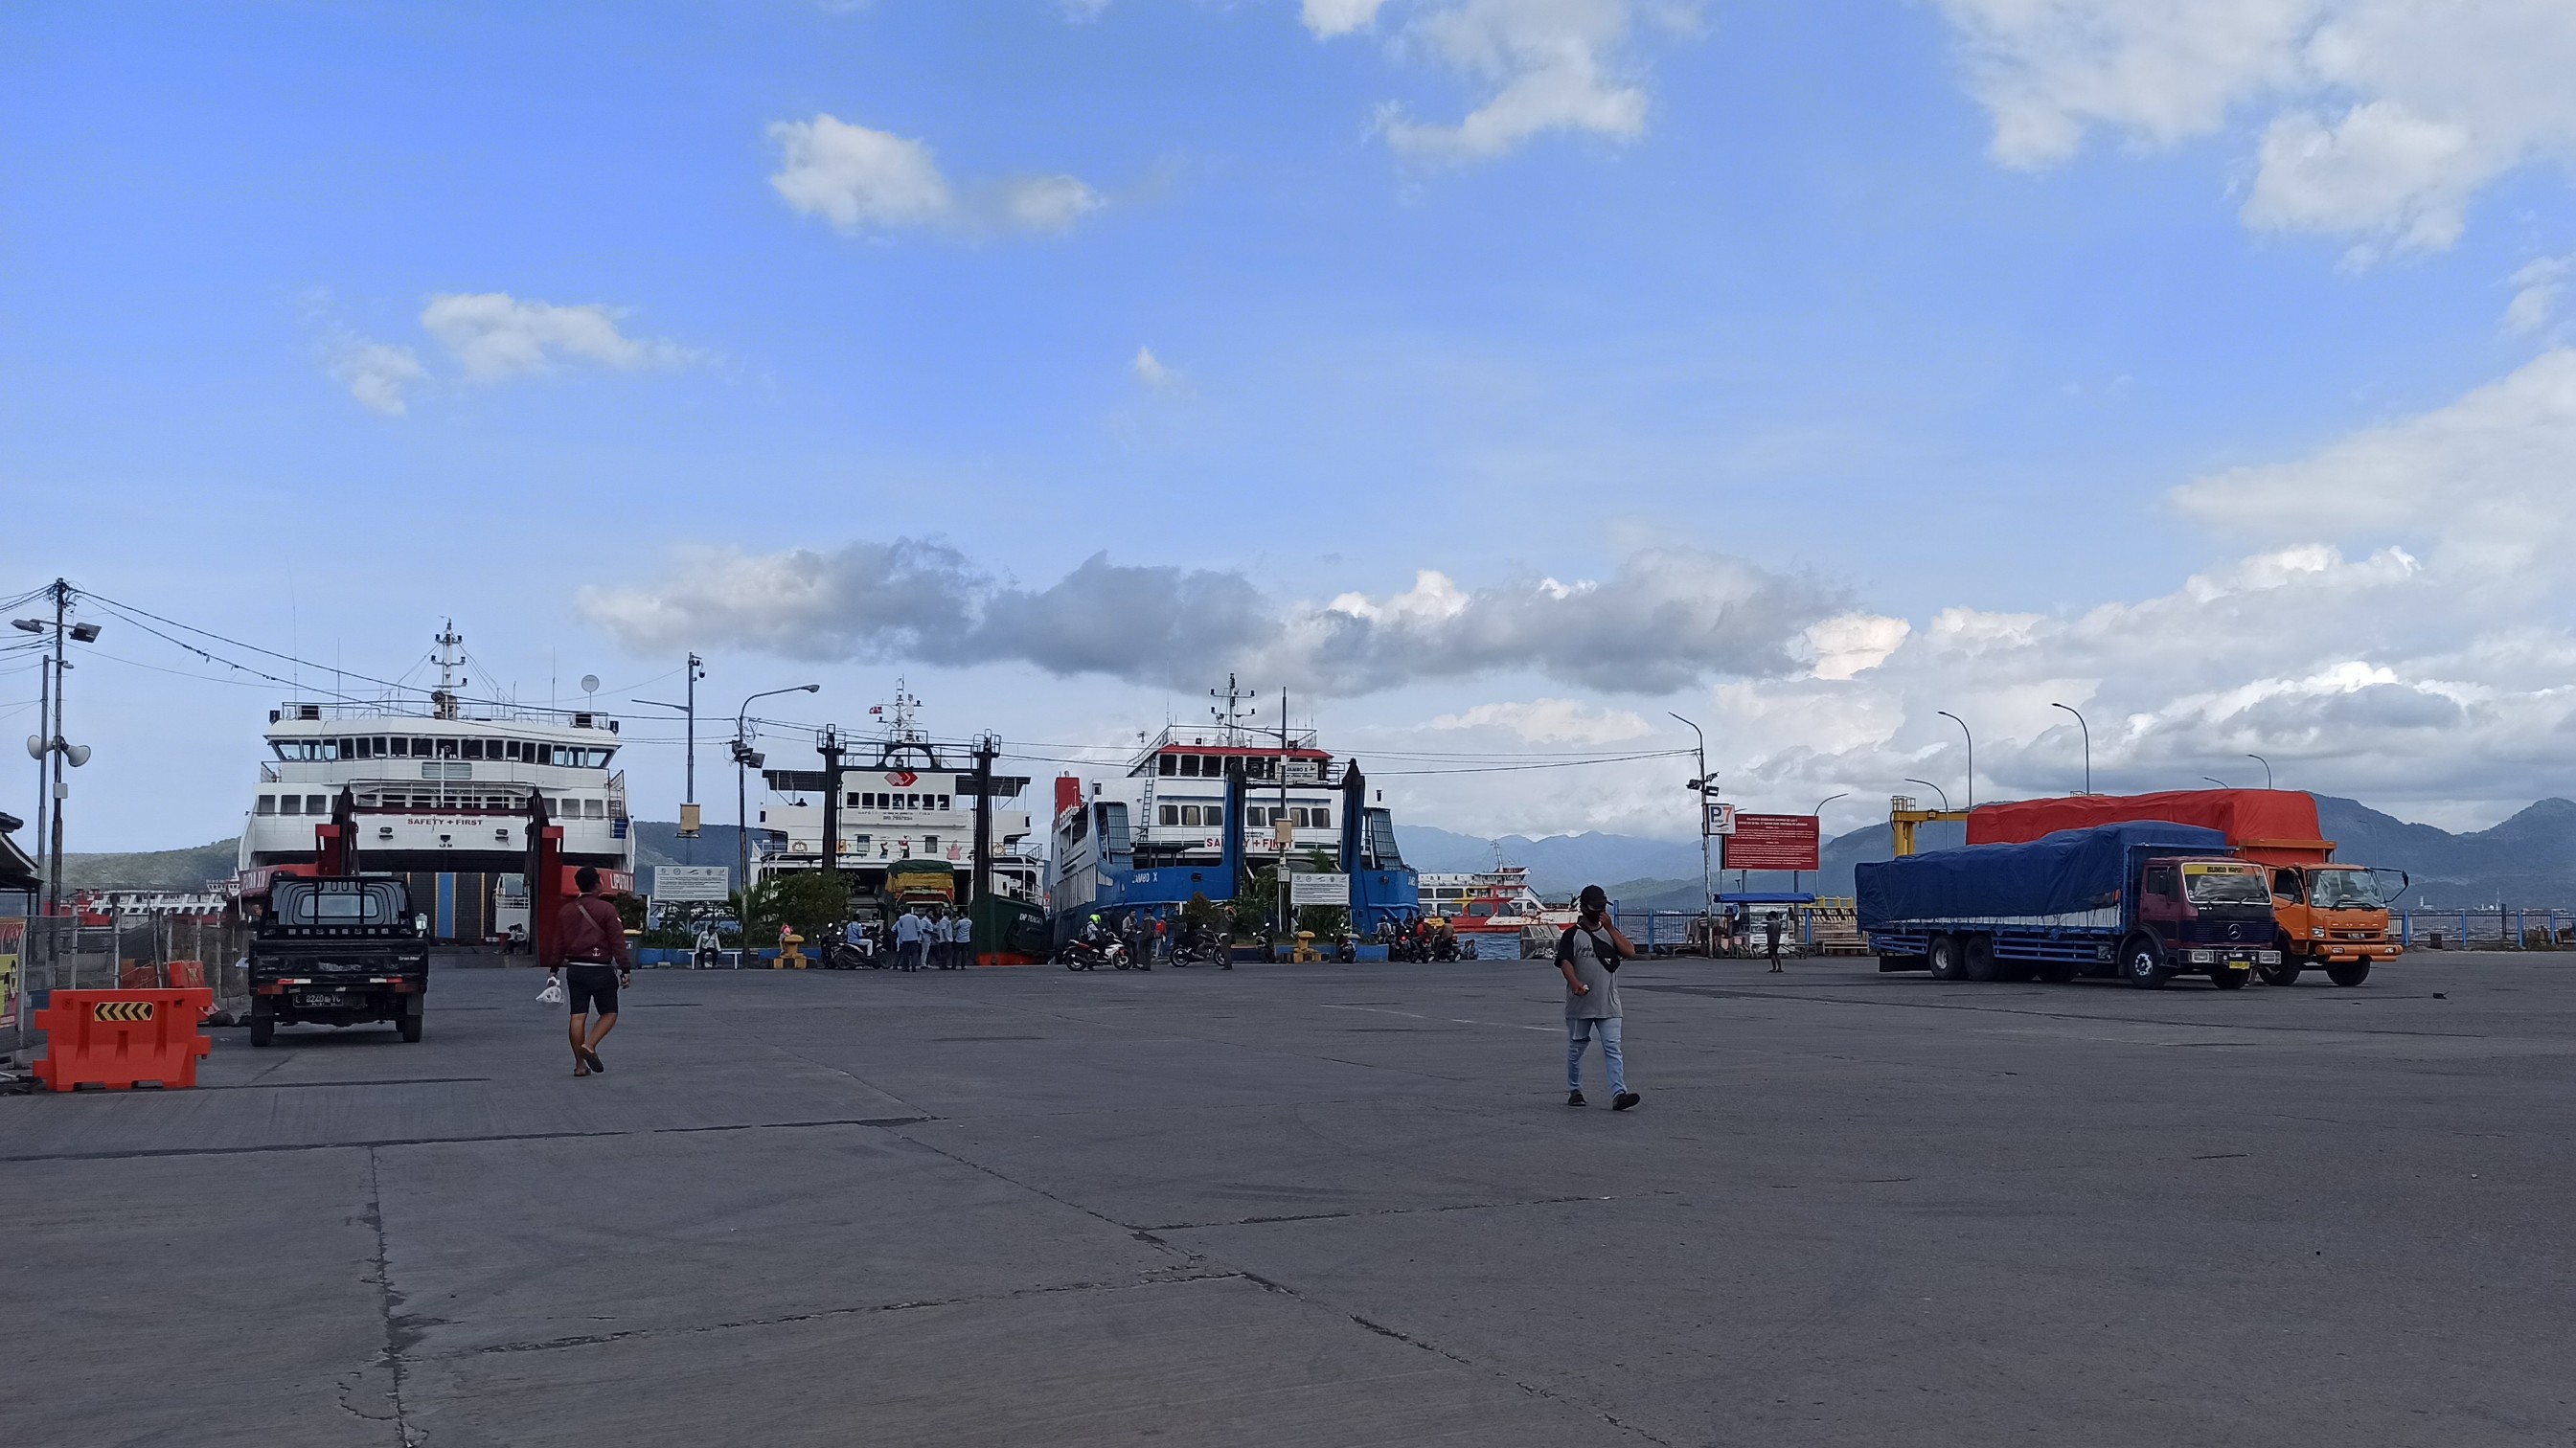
x,y
338,951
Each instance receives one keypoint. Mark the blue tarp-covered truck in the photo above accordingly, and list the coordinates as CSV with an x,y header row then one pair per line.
x,y
2144,901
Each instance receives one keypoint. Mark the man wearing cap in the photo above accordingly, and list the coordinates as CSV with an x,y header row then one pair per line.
x,y
1588,954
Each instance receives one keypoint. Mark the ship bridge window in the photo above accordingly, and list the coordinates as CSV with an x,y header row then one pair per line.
x,y
1167,764
943,802
473,748
268,804
290,804
1189,766
420,749
1190,815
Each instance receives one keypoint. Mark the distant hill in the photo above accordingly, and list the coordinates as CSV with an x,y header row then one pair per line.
x,y
1558,864
2528,860
188,869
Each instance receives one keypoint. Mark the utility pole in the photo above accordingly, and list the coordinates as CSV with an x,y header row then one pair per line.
x,y
54,746
827,742
1701,789
1285,833
987,747
697,671
1972,752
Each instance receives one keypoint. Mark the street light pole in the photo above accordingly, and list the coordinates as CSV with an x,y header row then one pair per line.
x,y
1699,788
1819,813
741,791
2088,742
2267,768
1936,789
1972,753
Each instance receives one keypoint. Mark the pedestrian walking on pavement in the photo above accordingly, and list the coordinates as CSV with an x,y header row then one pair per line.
x,y
1771,941
1589,954
591,947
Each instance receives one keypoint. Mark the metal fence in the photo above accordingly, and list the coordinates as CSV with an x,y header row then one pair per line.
x,y
60,953
2494,928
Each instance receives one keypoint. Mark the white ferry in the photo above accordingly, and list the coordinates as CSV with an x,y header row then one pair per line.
x,y
445,796
905,820
1148,840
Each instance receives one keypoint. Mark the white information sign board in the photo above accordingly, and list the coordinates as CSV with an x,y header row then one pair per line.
x,y
1319,889
692,882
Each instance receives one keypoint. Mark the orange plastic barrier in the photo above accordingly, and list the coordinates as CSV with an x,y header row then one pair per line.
x,y
122,1038
139,977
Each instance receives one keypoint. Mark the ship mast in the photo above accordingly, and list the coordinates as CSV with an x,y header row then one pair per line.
x,y
442,700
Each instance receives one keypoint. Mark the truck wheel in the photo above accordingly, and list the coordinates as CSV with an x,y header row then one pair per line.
x,y
1980,962
263,1023
2349,973
2226,979
410,1027
1941,957
2286,973
2143,966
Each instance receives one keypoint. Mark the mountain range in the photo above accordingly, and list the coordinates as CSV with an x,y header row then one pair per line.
x,y
2528,860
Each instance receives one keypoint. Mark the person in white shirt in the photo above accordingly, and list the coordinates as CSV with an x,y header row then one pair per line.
x,y
909,940
961,940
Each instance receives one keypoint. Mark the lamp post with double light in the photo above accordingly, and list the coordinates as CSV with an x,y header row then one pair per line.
x,y
744,757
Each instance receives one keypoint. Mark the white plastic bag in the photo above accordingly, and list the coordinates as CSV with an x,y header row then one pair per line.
x,y
553,994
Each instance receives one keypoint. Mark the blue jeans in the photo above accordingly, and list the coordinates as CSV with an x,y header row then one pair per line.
x,y
1578,1034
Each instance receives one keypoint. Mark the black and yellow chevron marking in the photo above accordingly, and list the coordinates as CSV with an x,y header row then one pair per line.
x,y
121,1011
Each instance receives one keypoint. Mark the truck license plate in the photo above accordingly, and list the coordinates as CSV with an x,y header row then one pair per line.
x,y
317,998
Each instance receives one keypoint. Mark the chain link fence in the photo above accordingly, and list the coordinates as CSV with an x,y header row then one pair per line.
x,y
138,952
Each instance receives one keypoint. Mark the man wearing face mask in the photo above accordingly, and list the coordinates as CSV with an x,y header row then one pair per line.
x,y
1588,955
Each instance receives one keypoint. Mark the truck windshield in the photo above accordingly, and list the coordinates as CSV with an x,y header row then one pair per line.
x,y
2344,890
2220,886
341,902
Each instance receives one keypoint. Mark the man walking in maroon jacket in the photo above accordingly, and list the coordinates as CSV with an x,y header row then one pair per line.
x,y
591,941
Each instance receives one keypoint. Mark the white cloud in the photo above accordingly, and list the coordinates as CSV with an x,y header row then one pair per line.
x,y
1540,65
1549,721
2535,300
1661,619
1151,371
1328,18
494,335
1848,643
863,180
857,178
377,373
2487,484
2386,117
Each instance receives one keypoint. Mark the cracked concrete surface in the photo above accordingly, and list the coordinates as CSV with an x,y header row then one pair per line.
x,y
1026,1207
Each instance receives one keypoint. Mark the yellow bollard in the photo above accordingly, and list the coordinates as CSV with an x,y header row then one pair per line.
x,y
791,956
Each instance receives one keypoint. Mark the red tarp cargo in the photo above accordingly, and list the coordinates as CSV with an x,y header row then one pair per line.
x,y
2275,826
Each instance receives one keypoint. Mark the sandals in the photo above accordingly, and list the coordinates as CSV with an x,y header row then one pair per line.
x,y
590,1059
579,1070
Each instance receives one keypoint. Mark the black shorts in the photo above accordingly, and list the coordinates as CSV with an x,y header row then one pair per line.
x,y
586,986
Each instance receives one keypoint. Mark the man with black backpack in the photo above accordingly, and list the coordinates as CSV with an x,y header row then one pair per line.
x,y
1588,954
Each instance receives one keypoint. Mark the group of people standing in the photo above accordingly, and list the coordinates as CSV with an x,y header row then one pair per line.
x,y
923,936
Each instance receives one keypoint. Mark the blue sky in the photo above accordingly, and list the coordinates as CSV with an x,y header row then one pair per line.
x,y
1961,322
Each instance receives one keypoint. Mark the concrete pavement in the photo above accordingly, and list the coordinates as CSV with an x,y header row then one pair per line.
x,y
1324,1205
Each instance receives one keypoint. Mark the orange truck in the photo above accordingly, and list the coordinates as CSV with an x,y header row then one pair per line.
x,y
2333,917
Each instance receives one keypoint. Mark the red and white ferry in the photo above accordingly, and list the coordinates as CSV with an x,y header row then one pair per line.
x,y
1488,902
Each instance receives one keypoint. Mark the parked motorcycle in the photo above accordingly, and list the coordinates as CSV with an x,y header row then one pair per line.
x,y
1080,954
1204,949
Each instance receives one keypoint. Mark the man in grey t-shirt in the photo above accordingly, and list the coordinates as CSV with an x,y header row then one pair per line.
x,y
1588,954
